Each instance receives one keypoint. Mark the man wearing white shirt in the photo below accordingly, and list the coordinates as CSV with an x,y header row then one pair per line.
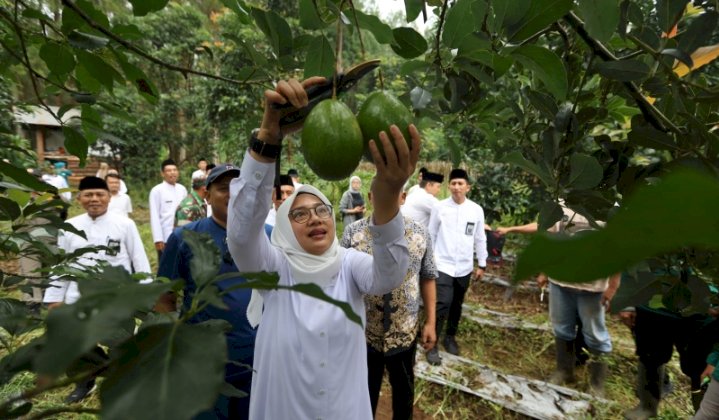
x,y
457,230
287,187
60,183
201,171
164,199
416,186
119,202
102,228
419,205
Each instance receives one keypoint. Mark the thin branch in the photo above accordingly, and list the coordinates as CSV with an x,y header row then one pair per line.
x,y
359,31
33,80
442,15
35,72
650,112
185,71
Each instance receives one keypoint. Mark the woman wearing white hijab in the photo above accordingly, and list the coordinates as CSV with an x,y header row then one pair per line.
x,y
352,204
310,359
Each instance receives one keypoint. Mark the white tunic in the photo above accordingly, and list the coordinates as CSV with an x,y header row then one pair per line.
x,y
164,199
120,203
418,206
457,231
310,359
111,230
60,183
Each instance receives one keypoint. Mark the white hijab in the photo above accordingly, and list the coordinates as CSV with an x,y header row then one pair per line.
x,y
304,267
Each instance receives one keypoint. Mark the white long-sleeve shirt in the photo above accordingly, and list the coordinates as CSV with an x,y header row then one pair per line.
x,y
164,199
111,230
457,231
307,351
418,206
120,203
60,183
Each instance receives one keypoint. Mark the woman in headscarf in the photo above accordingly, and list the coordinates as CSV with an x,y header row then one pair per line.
x,y
310,359
352,203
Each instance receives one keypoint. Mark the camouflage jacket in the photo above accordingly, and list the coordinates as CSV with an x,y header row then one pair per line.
x,y
191,208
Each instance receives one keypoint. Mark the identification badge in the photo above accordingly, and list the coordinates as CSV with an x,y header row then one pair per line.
x,y
469,229
114,245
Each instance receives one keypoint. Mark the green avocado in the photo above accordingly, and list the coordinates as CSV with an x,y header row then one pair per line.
x,y
332,140
378,113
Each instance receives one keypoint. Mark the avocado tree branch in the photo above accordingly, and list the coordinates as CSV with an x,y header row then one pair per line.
x,y
25,60
442,15
650,112
185,71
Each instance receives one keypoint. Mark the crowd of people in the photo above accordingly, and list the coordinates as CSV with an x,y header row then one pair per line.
x,y
405,269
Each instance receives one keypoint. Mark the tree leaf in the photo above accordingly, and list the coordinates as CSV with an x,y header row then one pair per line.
x,y
86,41
680,55
20,360
458,23
76,143
143,7
137,77
508,13
420,98
15,317
516,158
547,66
381,31
585,172
650,137
701,57
58,57
601,17
413,8
549,213
275,29
540,15
240,9
205,262
408,43
683,203
9,209
320,60
309,18
21,176
166,371
99,69
109,299
624,70
669,12
699,32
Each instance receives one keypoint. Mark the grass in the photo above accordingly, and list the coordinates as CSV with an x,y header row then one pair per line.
x,y
530,353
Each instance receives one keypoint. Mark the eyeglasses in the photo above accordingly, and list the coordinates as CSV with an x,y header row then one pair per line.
x,y
302,215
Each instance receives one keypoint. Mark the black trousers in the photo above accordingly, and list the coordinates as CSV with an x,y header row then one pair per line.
x,y
400,367
657,333
450,296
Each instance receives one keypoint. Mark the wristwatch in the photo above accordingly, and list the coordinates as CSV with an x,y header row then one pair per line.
x,y
258,146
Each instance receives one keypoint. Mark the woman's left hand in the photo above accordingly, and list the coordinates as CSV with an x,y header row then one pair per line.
x,y
399,162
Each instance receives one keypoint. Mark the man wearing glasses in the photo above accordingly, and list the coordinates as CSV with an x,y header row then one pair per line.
x,y
175,263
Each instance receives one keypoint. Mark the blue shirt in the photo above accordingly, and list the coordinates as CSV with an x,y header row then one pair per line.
x,y
175,263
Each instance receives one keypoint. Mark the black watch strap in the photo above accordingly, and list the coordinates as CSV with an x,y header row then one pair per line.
x,y
264,149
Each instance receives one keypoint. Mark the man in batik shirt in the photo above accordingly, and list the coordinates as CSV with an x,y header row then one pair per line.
x,y
393,319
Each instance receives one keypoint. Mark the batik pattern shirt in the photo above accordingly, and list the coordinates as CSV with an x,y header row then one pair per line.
x,y
393,319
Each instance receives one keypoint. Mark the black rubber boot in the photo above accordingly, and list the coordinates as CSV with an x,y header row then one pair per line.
x,y
565,362
649,385
598,370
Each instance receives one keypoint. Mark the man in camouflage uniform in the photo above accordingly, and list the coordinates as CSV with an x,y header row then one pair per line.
x,y
193,207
